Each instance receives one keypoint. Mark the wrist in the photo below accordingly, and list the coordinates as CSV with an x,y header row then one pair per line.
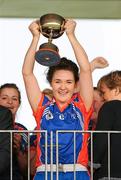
x,y
71,37
70,34
36,36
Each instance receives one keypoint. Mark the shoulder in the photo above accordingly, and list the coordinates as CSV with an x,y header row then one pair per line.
x,y
111,105
111,109
19,126
78,102
109,115
24,136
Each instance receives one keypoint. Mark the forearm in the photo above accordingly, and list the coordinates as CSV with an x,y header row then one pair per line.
x,y
92,66
30,57
85,78
30,81
80,54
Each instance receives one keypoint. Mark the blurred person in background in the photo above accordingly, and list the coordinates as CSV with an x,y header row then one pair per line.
x,y
6,120
10,97
109,119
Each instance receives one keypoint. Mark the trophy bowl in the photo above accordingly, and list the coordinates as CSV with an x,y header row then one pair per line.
x,y
52,25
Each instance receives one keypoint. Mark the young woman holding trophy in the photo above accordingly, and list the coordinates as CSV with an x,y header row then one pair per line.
x,y
58,157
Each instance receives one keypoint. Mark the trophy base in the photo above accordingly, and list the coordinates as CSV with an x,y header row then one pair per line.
x,y
47,57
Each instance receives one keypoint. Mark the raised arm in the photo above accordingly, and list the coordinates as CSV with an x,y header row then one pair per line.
x,y
31,84
85,84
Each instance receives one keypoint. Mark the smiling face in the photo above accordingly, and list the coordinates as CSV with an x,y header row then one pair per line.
x,y
63,85
9,98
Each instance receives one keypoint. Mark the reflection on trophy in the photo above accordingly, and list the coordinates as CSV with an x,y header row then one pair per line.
x,y
51,26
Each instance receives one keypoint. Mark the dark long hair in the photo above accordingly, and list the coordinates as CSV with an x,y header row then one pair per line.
x,y
65,64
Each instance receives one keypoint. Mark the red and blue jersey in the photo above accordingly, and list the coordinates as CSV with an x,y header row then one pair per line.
x,y
24,136
71,117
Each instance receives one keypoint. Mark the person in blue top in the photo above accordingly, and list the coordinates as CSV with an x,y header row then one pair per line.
x,y
96,63
66,111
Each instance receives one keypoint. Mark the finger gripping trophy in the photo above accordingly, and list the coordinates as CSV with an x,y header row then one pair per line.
x,y
52,27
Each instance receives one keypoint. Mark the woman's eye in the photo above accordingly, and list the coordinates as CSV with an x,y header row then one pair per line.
x,y
4,98
15,100
69,82
57,82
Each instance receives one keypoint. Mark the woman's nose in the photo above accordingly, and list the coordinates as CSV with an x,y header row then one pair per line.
x,y
10,101
63,86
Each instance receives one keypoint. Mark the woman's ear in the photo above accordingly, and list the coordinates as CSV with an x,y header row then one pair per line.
x,y
76,87
117,91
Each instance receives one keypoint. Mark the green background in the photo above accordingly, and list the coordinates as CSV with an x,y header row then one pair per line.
x,y
89,9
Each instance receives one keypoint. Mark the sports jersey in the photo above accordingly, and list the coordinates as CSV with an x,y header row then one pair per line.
x,y
24,136
72,117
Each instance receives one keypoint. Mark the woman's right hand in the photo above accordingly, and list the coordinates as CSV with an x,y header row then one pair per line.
x,y
70,26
